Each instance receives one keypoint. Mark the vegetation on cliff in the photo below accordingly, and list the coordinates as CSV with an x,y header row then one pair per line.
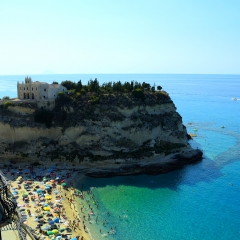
x,y
81,101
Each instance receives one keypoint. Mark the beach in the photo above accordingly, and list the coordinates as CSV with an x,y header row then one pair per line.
x,y
46,199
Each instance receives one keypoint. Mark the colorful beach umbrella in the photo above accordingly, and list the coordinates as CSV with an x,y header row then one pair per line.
x,y
56,220
55,231
46,208
49,233
64,184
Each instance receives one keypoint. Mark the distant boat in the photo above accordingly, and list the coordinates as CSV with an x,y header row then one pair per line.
x,y
234,99
222,127
195,129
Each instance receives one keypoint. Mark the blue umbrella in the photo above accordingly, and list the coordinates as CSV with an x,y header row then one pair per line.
x,y
45,205
55,191
74,238
56,220
51,222
39,190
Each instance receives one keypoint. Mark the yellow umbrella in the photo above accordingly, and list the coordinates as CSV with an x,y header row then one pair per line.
x,y
46,208
48,197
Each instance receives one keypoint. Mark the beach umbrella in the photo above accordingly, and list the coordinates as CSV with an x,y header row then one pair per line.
x,y
46,227
74,238
46,208
49,233
55,231
64,184
54,226
39,190
45,205
52,181
48,197
46,212
51,222
56,220
55,191
24,195
15,193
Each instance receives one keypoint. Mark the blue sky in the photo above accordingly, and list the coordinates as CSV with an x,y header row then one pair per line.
x,y
120,36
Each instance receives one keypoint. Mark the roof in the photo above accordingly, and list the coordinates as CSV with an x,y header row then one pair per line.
x,y
55,85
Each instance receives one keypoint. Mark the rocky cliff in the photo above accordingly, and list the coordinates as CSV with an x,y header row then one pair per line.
x,y
89,131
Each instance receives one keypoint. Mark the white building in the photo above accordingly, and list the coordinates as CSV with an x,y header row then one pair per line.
x,y
38,90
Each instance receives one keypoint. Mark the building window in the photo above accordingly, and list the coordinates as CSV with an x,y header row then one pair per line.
x,y
45,89
32,88
27,88
36,89
20,88
24,88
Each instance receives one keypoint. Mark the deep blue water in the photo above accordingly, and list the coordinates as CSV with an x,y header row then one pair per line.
x,y
200,201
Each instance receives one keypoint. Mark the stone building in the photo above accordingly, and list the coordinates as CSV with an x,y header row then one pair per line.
x,y
38,90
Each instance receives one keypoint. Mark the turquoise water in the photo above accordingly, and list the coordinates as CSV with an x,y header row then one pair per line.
x,y
200,201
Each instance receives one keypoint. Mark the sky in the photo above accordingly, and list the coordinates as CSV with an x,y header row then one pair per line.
x,y
119,36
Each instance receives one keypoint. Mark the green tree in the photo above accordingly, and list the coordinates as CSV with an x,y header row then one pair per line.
x,y
69,84
79,86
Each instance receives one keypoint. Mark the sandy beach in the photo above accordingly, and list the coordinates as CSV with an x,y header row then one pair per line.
x,y
46,199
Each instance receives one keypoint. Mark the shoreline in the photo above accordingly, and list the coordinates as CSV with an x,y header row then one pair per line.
x,y
72,198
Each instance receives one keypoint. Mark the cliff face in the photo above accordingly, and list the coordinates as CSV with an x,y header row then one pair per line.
x,y
119,128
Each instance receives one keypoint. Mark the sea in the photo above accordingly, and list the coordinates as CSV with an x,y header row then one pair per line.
x,y
199,201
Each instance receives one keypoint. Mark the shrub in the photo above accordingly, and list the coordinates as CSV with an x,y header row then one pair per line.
x,y
138,93
7,104
60,94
